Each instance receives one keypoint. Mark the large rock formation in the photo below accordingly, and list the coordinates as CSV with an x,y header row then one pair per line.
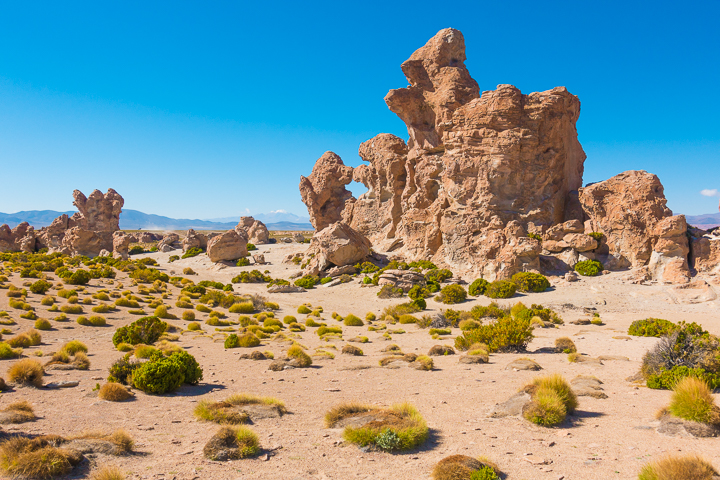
x,y
336,245
254,230
194,240
87,232
473,164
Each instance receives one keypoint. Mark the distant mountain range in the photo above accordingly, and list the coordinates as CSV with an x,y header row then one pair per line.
x,y
704,221
135,220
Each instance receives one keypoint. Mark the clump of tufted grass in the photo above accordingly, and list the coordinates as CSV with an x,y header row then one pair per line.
x,y
29,338
299,357
74,346
108,472
23,457
692,400
18,412
352,350
423,362
43,324
233,443
303,310
7,352
353,321
114,392
462,467
242,307
225,411
565,345
400,427
26,372
552,400
144,351
686,467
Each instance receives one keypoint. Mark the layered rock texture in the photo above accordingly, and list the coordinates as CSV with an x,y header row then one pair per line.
x,y
490,184
87,232
255,231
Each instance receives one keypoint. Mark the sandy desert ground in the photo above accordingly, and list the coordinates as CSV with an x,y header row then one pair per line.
x,y
605,438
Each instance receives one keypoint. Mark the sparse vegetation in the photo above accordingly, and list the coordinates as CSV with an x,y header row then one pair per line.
x,y
530,282
26,372
686,467
501,289
452,294
589,268
552,400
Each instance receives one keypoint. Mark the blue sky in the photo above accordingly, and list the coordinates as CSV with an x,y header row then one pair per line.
x,y
212,109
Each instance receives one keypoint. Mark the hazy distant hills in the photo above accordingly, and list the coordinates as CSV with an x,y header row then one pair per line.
x,y
135,220
704,221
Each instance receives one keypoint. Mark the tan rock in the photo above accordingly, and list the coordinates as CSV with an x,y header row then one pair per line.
x,y
230,245
194,240
337,245
255,230
121,245
169,242
324,190
580,242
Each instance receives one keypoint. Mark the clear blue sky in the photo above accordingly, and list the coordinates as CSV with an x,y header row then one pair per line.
x,y
211,109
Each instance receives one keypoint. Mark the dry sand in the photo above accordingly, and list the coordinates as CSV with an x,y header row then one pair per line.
x,y
605,438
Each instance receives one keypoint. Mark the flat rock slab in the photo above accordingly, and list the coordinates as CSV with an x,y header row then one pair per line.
x,y
678,427
360,419
285,289
523,364
584,386
620,358
68,384
472,359
586,360
511,407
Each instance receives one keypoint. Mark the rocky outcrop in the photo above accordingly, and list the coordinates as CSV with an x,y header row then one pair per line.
x,y
630,210
194,240
336,245
170,242
705,251
19,239
121,245
87,232
472,165
255,230
230,245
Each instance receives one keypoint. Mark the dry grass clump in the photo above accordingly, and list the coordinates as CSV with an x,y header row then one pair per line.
x,y
438,350
7,352
692,400
423,362
26,372
114,392
400,427
552,400
121,440
17,412
232,443
35,458
26,339
462,467
565,345
226,411
687,467
352,350
299,357
108,473
74,346
81,361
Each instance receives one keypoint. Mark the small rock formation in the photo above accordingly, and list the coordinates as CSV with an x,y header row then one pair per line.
x,y
170,242
705,251
194,240
87,232
230,245
255,230
336,245
121,245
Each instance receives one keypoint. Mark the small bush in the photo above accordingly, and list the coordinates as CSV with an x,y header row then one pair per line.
x,y
74,346
194,326
146,330
461,467
552,400
242,307
687,467
452,294
389,291
506,334
299,357
188,315
652,327
478,287
114,392
501,289
192,252
353,321
42,324
102,308
40,287
247,340
589,268
26,372
232,443
565,345
7,352
71,309
303,310
188,271
530,282
308,282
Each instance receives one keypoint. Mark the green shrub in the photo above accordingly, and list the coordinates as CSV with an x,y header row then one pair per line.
x,y
74,346
452,294
419,292
308,282
478,287
136,250
299,356
389,291
158,375
173,258
324,330
146,330
42,324
40,287
243,262
353,321
530,282
501,289
303,310
149,275
667,379
7,352
78,277
552,400
598,236
651,327
248,340
438,275
506,334
242,307
71,309
686,467
192,252
692,400
589,268
188,315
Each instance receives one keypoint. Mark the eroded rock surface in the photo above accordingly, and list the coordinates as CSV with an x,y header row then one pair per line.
x,y
255,230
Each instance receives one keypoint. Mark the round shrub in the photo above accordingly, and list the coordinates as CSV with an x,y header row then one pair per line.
x,y
42,324
242,307
40,287
114,392
26,372
353,321
418,291
74,346
478,287
191,369
78,277
652,327
158,375
97,321
299,357
420,303
501,289
289,319
188,315
692,400
687,467
457,467
248,340
531,282
146,330
589,268
303,310
452,294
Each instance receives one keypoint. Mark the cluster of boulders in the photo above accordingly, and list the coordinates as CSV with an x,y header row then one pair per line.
x,y
490,184
227,246
87,232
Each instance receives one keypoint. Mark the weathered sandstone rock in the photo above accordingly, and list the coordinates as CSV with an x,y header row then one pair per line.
x,y
230,245
194,240
473,164
255,230
169,243
121,245
19,239
336,245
